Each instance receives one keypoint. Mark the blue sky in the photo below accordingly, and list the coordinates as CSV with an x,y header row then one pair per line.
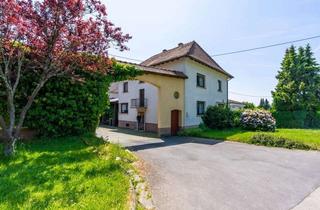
x,y
221,26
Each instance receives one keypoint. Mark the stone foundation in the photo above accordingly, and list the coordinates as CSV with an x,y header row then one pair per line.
x,y
127,124
151,127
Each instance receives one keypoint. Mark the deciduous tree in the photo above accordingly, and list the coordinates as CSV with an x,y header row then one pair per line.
x,y
55,34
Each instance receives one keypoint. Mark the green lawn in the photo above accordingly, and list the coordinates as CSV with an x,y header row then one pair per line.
x,y
307,136
65,173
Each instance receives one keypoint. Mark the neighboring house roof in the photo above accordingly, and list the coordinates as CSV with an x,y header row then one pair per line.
x,y
157,70
191,50
235,102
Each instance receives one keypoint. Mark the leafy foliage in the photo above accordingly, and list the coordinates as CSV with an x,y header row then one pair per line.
x,y
57,35
67,107
296,97
218,117
249,105
288,119
298,81
264,104
258,120
275,141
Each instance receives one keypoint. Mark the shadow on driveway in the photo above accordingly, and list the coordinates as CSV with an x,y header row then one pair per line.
x,y
172,141
136,141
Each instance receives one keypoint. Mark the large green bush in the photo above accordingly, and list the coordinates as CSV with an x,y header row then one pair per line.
x,y
67,106
258,120
218,117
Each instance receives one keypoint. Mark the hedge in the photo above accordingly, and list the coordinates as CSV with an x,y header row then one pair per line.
x,y
274,141
66,107
297,119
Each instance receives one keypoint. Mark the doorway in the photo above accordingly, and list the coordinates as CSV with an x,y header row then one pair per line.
x,y
174,122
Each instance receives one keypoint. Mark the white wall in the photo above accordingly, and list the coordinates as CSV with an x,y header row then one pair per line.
x,y
114,90
210,95
151,93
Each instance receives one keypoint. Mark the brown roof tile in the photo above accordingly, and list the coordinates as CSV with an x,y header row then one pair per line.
x,y
157,70
191,50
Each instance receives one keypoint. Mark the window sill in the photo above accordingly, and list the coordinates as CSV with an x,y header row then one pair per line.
x,y
201,87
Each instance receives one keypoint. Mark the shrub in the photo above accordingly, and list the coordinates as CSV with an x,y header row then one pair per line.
x,y
66,108
274,141
236,119
257,120
287,119
218,117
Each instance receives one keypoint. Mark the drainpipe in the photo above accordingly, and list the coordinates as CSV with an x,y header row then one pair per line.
x,y
228,93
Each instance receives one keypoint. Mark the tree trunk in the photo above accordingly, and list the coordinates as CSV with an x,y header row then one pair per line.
x,y
9,147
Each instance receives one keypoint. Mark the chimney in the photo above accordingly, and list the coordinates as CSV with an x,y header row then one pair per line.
x,y
180,44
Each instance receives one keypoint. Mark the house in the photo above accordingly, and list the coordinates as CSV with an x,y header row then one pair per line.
x,y
179,84
236,105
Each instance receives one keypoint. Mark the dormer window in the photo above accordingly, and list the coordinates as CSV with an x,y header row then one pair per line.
x,y
201,80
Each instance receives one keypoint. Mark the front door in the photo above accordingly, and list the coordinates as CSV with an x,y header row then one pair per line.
x,y
174,122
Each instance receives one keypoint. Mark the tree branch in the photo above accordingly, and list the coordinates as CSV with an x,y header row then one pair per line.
x,y
25,109
20,59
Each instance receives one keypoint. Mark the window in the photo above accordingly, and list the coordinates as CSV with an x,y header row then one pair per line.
x,y
219,86
124,108
125,87
200,107
201,80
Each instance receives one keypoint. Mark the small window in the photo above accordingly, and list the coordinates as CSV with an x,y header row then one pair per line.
x,y
125,87
124,108
200,107
219,86
201,81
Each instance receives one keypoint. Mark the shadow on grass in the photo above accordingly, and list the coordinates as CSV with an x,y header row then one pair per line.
x,y
41,166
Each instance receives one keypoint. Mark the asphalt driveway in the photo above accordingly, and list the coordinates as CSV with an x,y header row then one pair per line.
x,y
192,173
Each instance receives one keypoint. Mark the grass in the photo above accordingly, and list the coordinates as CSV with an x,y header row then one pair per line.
x,y
65,173
310,137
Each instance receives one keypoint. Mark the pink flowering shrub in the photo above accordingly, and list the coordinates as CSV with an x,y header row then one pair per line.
x,y
261,120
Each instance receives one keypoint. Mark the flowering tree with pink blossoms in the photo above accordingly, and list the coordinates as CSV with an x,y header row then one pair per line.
x,y
55,35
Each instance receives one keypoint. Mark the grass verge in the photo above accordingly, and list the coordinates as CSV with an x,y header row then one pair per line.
x,y
309,137
66,173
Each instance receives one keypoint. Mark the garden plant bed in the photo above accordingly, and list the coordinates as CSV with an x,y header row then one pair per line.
x,y
74,173
309,137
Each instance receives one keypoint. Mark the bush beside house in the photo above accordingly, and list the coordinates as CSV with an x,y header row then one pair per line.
x,y
68,107
218,117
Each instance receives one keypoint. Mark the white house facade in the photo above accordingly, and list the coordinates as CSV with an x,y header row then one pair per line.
x,y
206,84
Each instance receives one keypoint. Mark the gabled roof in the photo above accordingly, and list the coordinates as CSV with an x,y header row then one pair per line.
x,y
157,70
191,50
